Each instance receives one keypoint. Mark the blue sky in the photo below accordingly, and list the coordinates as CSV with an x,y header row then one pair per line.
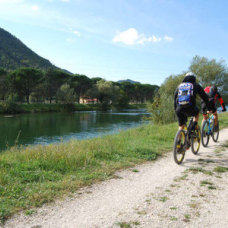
x,y
144,40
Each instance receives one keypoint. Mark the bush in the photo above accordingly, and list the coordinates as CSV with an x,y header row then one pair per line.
x,y
9,108
162,109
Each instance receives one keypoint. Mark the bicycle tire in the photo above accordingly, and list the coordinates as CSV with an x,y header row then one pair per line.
x,y
215,134
179,147
195,140
205,133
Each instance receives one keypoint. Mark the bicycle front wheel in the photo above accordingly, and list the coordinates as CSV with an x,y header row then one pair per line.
x,y
215,132
195,141
205,133
179,147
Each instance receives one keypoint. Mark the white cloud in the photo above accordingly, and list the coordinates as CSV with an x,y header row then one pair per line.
x,y
168,38
35,8
77,33
131,37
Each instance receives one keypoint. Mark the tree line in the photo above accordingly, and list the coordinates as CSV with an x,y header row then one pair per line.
x,y
209,72
58,86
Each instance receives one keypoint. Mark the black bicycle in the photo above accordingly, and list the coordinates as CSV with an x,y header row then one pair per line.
x,y
185,139
209,129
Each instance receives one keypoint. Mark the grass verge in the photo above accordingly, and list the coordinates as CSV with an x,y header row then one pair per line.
x,y
13,108
32,176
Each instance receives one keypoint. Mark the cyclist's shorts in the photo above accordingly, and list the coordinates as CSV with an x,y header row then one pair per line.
x,y
204,107
182,113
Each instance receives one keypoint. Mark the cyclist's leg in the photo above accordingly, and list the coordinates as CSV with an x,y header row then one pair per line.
x,y
195,113
214,113
215,117
204,112
181,116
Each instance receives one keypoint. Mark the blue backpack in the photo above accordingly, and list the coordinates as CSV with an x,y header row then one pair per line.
x,y
185,93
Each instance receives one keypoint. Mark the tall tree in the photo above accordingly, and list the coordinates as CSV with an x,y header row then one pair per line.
x,y
24,80
80,84
4,87
129,89
162,108
66,94
209,72
54,78
105,92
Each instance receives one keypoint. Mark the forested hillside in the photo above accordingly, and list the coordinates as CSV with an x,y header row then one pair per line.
x,y
14,54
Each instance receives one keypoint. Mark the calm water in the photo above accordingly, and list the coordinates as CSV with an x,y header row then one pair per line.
x,y
48,128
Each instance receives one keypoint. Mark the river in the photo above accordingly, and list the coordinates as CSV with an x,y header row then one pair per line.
x,y
46,128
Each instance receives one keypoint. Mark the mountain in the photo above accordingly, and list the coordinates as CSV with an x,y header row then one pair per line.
x,y
15,54
128,80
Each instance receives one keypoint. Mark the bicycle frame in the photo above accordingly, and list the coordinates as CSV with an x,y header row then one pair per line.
x,y
187,133
210,121
184,139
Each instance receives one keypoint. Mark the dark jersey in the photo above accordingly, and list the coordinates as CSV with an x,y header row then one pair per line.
x,y
197,89
213,95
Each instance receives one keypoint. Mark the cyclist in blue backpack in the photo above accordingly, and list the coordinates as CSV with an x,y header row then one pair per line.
x,y
185,100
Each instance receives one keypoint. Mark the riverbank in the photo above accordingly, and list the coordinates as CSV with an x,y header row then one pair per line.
x,y
153,194
14,108
36,175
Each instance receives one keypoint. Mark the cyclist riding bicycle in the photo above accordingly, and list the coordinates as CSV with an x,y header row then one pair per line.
x,y
213,94
185,100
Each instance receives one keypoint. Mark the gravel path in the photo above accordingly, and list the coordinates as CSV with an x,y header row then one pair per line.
x,y
156,194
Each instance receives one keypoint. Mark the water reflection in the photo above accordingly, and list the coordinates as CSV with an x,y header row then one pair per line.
x,y
55,127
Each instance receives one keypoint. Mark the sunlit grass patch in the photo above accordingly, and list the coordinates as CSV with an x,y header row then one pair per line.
x,y
221,169
32,176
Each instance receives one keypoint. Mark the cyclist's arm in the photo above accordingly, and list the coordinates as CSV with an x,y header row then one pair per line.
x,y
205,98
175,99
221,102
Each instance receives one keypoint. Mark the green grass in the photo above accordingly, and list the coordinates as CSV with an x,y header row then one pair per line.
x,y
14,108
127,224
205,182
55,107
32,176
187,218
221,169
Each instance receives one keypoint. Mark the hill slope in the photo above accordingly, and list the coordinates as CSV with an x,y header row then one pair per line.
x,y
128,80
14,54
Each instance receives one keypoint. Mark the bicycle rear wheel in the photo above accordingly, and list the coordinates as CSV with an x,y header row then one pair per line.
x,y
179,147
205,133
215,132
195,141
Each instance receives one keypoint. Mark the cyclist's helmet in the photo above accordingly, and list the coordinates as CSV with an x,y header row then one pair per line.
x,y
190,77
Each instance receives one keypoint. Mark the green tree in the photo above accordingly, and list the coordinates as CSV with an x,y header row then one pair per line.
x,y
105,92
81,84
129,90
209,72
149,92
24,80
38,94
4,87
54,78
66,94
162,109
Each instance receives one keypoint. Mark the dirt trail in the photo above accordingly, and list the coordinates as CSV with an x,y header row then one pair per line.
x,y
156,194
